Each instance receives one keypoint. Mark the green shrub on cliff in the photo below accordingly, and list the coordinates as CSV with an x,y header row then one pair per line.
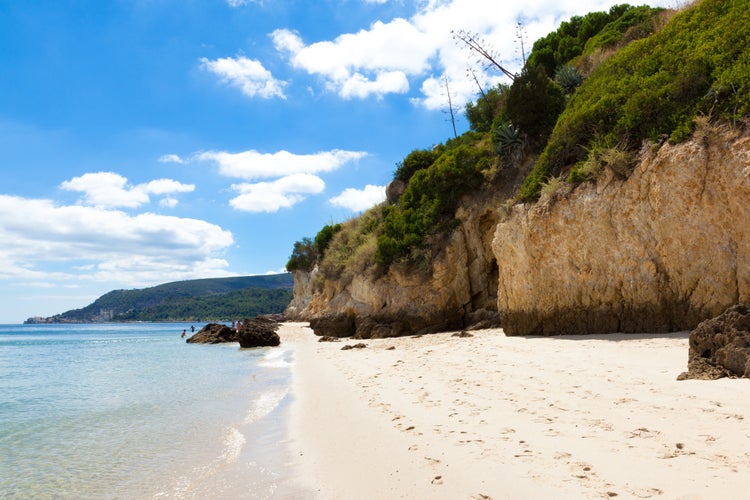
x,y
303,256
416,160
482,113
352,249
653,88
307,253
584,34
534,103
427,206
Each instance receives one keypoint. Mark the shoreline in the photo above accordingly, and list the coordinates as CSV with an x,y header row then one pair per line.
x,y
441,416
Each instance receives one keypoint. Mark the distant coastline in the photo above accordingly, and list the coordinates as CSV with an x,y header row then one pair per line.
x,y
211,299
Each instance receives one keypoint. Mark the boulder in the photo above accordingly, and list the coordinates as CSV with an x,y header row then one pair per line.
x,y
394,190
334,325
720,347
259,332
213,333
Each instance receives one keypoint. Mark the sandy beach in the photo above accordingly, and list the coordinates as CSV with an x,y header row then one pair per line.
x,y
490,416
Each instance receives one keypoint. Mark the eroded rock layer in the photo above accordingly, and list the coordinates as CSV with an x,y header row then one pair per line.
x,y
660,251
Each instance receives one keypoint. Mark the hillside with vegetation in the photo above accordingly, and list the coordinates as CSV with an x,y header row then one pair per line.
x,y
592,97
209,299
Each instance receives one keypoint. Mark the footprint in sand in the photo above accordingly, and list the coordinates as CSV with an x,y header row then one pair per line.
x,y
642,432
678,450
583,470
647,492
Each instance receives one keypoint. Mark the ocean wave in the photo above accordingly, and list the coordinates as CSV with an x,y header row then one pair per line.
x,y
234,440
264,404
276,358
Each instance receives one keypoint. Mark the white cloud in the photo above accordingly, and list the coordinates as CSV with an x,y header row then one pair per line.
x,y
109,190
165,186
273,196
106,189
255,165
377,61
247,74
172,158
101,244
393,82
358,200
400,54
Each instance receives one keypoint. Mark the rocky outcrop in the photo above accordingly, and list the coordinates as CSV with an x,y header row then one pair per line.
x,y
302,295
394,190
259,332
213,333
720,346
660,251
459,292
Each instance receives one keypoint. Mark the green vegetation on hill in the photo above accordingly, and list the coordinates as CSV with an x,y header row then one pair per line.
x,y
240,304
699,64
583,35
591,94
191,300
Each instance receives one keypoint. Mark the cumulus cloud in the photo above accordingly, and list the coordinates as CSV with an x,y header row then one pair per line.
x,y
272,196
248,75
110,190
359,200
256,165
377,61
400,55
102,244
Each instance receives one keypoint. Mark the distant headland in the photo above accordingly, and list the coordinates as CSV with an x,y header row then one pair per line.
x,y
211,299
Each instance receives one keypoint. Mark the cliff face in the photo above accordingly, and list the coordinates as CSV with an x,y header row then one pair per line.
x,y
460,290
662,250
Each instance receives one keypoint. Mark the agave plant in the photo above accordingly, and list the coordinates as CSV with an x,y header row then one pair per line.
x,y
568,78
510,141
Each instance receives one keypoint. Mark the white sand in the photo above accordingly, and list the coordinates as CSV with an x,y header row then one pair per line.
x,y
514,417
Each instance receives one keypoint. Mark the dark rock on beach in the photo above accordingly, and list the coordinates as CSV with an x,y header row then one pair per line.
x,y
259,332
213,333
334,325
355,346
720,347
462,334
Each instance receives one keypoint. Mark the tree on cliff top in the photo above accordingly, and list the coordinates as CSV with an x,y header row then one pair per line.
x,y
303,256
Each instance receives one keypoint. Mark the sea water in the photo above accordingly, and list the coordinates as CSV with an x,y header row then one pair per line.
x,y
132,411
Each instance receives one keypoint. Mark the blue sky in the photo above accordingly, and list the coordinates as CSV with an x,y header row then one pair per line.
x,y
148,141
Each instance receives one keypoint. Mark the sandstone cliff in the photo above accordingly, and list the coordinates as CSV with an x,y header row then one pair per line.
x,y
460,290
659,251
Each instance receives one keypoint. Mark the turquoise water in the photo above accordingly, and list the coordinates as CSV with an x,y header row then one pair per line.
x,y
132,411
